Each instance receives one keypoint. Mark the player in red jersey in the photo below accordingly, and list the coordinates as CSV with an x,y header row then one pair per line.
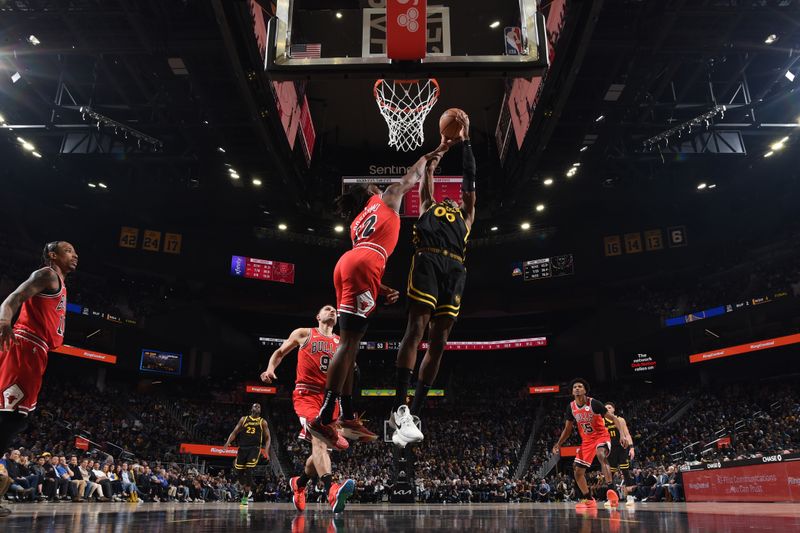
x,y
357,278
589,415
316,348
42,304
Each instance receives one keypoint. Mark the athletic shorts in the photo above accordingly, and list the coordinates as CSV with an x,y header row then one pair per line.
x,y
437,282
357,278
247,457
21,370
588,450
307,405
618,459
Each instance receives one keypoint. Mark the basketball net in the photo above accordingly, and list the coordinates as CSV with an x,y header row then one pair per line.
x,y
404,104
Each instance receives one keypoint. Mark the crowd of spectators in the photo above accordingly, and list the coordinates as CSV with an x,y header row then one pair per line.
x,y
759,419
678,294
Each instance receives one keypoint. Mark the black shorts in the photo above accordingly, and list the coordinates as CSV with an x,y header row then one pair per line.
x,y
438,282
618,458
247,457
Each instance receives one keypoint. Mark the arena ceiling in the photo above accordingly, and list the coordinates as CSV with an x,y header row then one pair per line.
x,y
181,72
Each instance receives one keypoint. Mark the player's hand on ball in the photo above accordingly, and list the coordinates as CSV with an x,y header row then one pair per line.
x,y
268,375
463,120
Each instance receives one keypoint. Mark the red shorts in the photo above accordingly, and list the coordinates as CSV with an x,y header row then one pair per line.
x,y
21,370
357,277
307,405
588,449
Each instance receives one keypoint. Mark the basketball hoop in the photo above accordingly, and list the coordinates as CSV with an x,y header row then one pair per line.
x,y
404,104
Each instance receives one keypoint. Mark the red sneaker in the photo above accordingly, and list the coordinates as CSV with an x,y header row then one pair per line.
x,y
327,434
337,496
613,499
299,494
586,505
356,430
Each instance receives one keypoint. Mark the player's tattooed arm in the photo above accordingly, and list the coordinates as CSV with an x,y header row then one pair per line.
x,y
235,432
41,280
297,338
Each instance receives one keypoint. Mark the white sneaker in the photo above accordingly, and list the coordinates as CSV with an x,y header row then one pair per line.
x,y
406,427
607,505
630,501
398,440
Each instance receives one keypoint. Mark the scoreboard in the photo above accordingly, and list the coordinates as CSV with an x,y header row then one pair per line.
x,y
443,187
548,267
264,269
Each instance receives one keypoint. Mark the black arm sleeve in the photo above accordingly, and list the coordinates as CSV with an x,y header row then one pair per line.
x,y
598,408
469,169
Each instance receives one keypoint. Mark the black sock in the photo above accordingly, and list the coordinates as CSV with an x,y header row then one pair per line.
x,y
326,413
327,480
419,398
403,380
303,481
346,408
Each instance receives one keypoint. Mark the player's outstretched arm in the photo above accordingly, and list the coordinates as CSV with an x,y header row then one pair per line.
x,y
297,338
426,188
624,431
469,170
41,280
564,436
235,432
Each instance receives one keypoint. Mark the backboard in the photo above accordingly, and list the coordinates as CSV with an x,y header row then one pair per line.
x,y
312,39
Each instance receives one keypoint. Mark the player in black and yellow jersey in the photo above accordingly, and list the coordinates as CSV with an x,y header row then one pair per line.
x,y
252,436
435,286
619,458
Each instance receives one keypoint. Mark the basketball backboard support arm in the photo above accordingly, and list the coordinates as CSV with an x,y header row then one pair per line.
x,y
532,62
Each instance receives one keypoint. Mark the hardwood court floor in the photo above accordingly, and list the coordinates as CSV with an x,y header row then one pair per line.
x,y
230,517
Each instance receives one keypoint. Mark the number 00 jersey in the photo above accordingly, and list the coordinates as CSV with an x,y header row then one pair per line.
x,y
313,359
589,418
251,434
442,227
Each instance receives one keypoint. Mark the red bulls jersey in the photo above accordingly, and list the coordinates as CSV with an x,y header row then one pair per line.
x,y
589,419
377,227
42,318
313,359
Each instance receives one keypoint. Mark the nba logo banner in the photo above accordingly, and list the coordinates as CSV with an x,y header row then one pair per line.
x,y
406,29
513,36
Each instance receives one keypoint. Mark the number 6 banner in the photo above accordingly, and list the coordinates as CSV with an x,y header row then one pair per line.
x,y
406,29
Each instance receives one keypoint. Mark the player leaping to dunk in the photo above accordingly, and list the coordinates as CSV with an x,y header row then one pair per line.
x,y
357,278
435,286
589,414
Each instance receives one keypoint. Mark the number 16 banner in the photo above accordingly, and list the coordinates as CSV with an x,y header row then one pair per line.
x,y
406,29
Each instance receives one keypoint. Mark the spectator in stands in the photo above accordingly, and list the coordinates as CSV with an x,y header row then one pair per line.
x,y
543,494
128,480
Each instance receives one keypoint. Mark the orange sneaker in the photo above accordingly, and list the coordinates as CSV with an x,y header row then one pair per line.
x,y
613,499
298,494
586,505
328,434
356,430
337,496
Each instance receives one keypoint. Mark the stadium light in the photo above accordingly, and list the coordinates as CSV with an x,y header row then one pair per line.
x,y
768,154
34,41
29,147
92,185
495,24
494,228
525,225
102,185
701,186
777,146
600,118
282,227
712,186
36,154
548,181
220,149
771,38
339,14
257,182
338,228
2,119
584,148
540,208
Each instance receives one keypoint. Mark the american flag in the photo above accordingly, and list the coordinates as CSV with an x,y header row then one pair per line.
x,y
302,51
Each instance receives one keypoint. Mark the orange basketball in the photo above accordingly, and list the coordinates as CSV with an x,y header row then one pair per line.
x,y
448,125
